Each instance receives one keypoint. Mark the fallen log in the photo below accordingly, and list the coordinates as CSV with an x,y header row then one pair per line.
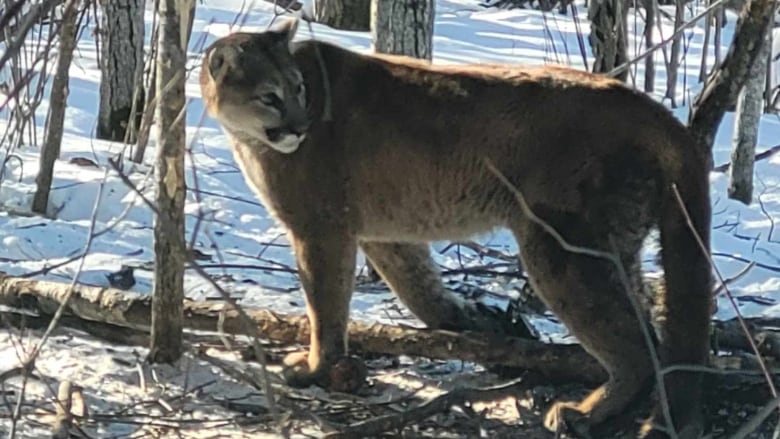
x,y
555,362
108,313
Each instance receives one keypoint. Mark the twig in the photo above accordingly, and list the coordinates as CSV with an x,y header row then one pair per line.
x,y
768,216
760,156
679,31
774,268
32,17
231,370
756,420
734,278
441,403
244,267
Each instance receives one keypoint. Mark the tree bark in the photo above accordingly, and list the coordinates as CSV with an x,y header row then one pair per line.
x,y
674,61
344,14
145,126
650,8
147,117
169,244
608,35
703,68
750,107
56,117
403,27
725,84
121,64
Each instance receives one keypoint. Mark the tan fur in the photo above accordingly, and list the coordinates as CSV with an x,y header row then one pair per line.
x,y
400,164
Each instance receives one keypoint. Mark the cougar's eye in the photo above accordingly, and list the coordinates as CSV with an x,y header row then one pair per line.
x,y
271,100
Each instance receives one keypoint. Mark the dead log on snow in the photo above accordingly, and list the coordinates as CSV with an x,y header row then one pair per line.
x,y
115,311
556,362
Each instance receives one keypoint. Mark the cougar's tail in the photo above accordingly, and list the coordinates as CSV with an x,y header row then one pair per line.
x,y
685,330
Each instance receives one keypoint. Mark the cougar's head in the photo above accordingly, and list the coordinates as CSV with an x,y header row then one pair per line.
x,y
252,86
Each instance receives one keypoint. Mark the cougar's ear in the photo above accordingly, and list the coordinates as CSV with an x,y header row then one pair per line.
x,y
222,60
283,31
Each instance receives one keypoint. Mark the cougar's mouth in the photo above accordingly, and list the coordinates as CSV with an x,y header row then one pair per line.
x,y
284,140
275,134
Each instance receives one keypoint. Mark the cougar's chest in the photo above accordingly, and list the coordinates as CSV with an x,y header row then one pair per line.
x,y
249,161
301,190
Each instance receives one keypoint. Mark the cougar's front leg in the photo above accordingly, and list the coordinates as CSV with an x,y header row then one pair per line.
x,y
326,266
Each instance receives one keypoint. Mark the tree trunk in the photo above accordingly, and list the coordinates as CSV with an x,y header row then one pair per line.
x,y
704,69
169,244
650,8
344,14
59,99
121,64
750,106
144,127
403,27
608,35
147,117
674,62
724,86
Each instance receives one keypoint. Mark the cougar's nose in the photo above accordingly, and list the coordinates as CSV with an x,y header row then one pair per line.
x,y
299,123
298,131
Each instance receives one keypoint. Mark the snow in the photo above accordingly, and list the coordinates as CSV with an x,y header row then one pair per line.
x,y
235,231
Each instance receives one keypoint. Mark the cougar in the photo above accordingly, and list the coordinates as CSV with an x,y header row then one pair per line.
x,y
386,154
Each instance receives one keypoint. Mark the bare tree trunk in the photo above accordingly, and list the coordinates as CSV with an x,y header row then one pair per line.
x,y
144,128
650,7
122,50
674,62
608,35
750,106
169,244
186,18
768,86
59,99
150,106
344,14
403,27
704,70
723,88
720,16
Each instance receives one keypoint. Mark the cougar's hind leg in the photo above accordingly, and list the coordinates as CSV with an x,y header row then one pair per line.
x,y
326,265
588,296
411,274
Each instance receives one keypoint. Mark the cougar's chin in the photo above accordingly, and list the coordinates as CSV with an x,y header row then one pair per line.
x,y
287,144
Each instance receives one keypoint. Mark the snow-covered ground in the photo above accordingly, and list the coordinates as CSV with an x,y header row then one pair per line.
x,y
248,252
236,232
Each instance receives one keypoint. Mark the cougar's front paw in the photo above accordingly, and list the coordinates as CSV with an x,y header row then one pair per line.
x,y
654,429
296,371
565,417
345,374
